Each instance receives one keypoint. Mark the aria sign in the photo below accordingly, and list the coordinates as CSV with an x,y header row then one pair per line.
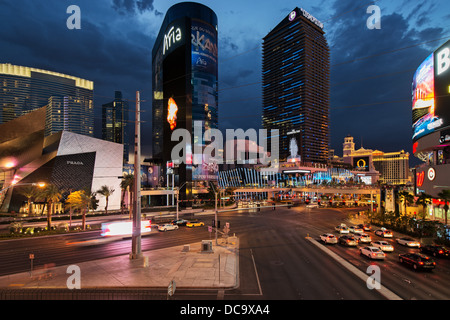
x,y
171,37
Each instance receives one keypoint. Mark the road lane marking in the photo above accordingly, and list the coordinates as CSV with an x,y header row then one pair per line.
x,y
256,272
363,276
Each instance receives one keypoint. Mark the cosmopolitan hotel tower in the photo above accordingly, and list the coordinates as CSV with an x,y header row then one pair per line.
x,y
296,87
68,99
185,74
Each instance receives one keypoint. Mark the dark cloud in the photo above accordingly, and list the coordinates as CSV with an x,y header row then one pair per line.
x,y
371,75
134,6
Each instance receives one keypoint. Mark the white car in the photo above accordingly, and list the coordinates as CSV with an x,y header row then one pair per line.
x,y
383,245
312,205
167,226
372,252
328,238
408,242
383,232
363,237
355,229
342,228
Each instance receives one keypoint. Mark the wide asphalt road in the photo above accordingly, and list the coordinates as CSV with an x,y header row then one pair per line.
x,y
276,261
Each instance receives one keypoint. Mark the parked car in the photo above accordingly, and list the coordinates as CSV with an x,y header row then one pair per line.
x,y
372,252
328,238
348,240
408,242
383,245
355,229
342,228
363,237
167,226
435,250
365,227
180,222
383,232
417,260
191,224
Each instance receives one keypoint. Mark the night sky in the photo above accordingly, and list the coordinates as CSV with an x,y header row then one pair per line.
x,y
371,70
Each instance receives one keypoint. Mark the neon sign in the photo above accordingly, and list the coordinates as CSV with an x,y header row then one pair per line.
x,y
308,16
420,178
171,37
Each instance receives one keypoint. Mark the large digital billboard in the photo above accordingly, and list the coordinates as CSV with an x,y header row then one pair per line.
x,y
442,84
431,93
204,68
204,47
423,115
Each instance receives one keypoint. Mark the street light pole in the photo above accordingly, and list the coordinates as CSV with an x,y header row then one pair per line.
x,y
215,214
136,235
178,196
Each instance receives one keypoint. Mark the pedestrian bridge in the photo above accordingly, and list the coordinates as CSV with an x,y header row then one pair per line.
x,y
319,190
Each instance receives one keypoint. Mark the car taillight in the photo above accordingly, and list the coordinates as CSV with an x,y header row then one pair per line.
x,y
420,262
440,251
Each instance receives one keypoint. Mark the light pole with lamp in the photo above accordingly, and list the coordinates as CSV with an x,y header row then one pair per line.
x,y
178,195
215,210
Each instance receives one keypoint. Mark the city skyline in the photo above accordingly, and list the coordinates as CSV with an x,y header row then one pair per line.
x,y
371,69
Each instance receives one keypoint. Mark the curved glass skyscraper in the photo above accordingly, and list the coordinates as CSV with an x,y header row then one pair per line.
x,y
68,99
185,93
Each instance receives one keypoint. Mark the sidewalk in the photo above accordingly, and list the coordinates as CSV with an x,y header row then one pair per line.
x,y
187,267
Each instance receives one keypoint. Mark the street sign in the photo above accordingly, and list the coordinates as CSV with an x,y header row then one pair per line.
x,y
171,288
209,229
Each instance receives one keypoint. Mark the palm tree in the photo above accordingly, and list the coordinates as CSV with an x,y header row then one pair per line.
x,y
127,183
406,197
50,194
79,200
29,192
445,195
423,200
106,192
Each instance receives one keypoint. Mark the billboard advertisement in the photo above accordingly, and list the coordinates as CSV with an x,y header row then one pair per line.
x,y
204,93
361,164
442,84
204,47
205,169
423,115
431,93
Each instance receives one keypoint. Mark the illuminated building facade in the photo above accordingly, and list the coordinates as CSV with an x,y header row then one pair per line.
x,y
69,99
392,166
185,93
114,122
65,159
431,122
296,79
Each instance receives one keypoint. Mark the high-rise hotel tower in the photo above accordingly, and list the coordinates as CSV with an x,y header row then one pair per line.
x,y
68,99
296,88
185,94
